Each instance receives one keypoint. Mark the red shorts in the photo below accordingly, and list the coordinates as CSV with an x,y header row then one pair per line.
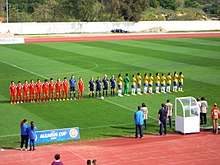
x,y
25,92
65,90
32,92
58,90
81,90
45,92
19,94
13,94
38,92
51,91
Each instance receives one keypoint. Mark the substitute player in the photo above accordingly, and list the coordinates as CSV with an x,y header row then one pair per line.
x,y
150,82
80,88
119,82
105,85
91,87
133,85
98,87
169,79
163,83
175,81
58,89
139,79
65,88
32,91
180,79
38,91
19,92
145,83
214,116
113,85
25,91
51,89
72,87
45,90
157,79
126,84
12,88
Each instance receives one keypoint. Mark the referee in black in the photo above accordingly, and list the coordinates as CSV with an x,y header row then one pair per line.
x,y
162,119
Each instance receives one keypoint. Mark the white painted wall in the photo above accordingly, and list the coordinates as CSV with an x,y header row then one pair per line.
x,y
103,27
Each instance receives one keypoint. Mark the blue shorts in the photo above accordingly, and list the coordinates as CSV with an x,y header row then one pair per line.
x,y
105,88
98,89
133,86
91,89
139,85
168,84
174,83
163,85
150,85
180,83
145,85
157,84
119,86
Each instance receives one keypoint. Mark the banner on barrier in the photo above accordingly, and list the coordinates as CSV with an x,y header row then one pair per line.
x,y
49,136
11,40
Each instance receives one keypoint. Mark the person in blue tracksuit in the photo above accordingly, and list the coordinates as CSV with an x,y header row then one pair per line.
x,y
32,135
24,134
139,120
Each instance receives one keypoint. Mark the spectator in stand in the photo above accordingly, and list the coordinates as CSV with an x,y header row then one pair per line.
x,y
24,134
12,92
57,160
32,135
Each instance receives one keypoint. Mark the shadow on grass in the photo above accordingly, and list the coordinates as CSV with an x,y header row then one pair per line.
x,y
4,102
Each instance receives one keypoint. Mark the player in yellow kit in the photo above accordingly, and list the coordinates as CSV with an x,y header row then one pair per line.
x,y
163,83
133,85
175,81
169,79
180,79
145,83
139,78
150,83
119,82
157,83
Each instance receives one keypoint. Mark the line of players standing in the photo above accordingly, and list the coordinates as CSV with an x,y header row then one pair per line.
x,y
45,91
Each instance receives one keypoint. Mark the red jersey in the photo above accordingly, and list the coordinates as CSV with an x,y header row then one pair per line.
x,y
12,90
215,112
38,87
32,88
81,86
19,89
45,87
25,89
65,86
51,87
58,86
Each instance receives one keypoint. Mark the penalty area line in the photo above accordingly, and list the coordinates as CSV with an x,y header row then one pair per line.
x,y
15,66
119,105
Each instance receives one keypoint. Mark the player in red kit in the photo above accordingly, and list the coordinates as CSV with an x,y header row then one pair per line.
x,y
38,91
25,91
32,91
45,90
65,88
51,89
80,88
19,92
58,89
13,92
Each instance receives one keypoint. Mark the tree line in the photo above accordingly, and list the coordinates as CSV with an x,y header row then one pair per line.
x,y
107,10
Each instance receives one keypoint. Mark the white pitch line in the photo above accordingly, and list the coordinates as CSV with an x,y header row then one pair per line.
x,y
24,69
127,108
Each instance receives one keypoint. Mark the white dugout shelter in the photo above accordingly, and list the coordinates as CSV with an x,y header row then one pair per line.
x,y
187,115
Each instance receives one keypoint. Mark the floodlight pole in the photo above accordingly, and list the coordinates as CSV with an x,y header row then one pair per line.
x,y
7,10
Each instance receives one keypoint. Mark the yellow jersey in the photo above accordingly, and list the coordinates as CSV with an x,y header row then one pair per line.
x,y
139,79
151,79
158,79
146,79
169,78
120,80
180,78
175,78
133,81
163,80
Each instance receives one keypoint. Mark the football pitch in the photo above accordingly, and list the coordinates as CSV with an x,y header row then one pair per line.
x,y
197,58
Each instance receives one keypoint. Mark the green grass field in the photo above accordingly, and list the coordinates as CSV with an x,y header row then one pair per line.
x,y
197,58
